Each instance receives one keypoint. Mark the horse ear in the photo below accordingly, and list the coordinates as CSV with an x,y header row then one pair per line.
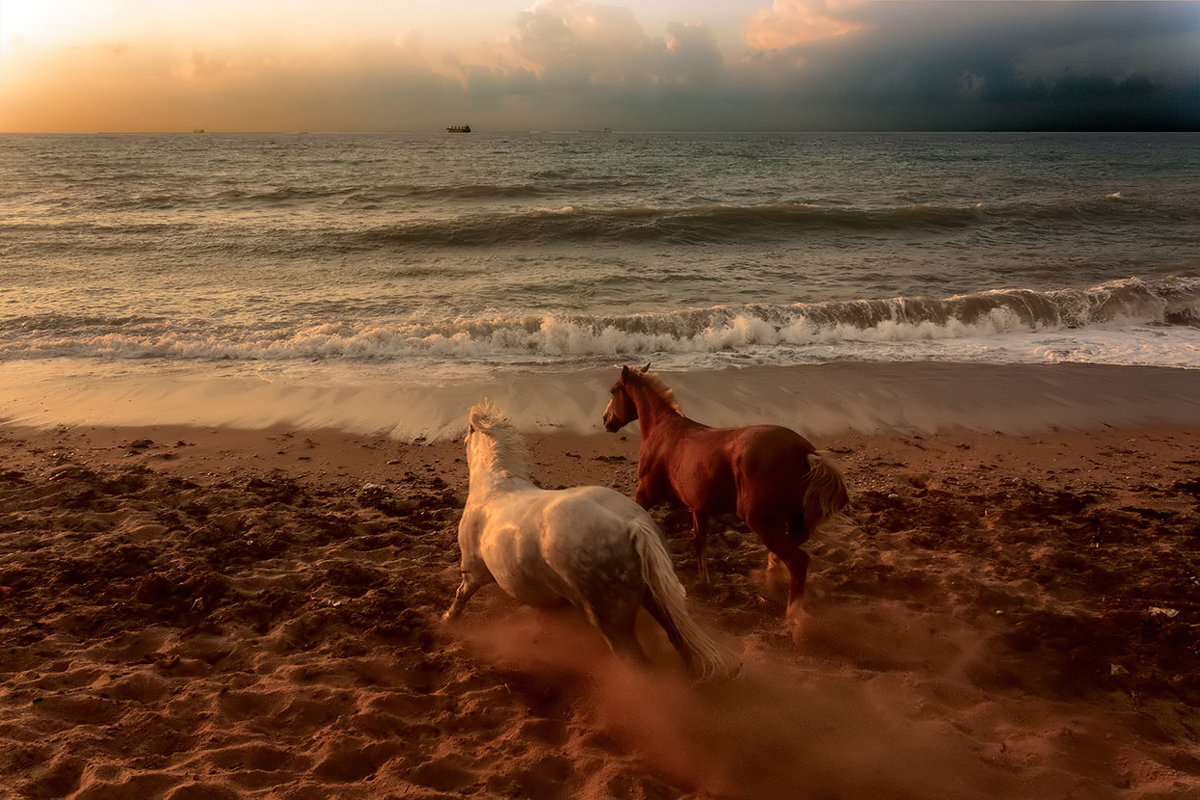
x,y
625,371
646,368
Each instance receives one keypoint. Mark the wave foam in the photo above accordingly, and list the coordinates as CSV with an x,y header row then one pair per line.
x,y
837,329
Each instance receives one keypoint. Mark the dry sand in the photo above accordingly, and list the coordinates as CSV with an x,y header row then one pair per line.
x,y
214,613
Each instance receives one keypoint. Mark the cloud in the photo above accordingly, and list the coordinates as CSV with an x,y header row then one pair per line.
x,y
882,65
815,64
788,23
972,65
692,57
577,63
577,44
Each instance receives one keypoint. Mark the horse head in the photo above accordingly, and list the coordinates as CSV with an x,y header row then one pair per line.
x,y
621,409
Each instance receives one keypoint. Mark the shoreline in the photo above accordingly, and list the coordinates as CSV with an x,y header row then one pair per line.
x,y
234,613
818,400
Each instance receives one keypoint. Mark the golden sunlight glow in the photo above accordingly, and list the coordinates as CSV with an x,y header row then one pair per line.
x,y
23,19
41,22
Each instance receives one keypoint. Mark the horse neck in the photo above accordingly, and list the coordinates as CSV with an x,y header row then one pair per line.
x,y
651,406
490,474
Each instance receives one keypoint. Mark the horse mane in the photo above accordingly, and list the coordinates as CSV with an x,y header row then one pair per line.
x,y
508,453
660,388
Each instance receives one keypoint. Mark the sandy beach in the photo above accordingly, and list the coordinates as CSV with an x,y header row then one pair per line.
x,y
1009,611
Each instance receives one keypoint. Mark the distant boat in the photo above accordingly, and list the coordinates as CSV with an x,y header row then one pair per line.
x,y
458,128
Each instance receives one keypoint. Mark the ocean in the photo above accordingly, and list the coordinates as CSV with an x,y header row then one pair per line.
x,y
341,260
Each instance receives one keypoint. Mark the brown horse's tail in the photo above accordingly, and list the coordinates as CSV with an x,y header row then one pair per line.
x,y
825,495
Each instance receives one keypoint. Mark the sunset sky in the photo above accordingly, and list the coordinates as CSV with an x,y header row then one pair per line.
x,y
411,65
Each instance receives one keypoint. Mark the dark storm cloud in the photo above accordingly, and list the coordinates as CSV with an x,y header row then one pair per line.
x,y
1010,65
907,65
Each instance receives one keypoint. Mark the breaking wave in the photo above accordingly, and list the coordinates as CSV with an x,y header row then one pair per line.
x,y
831,329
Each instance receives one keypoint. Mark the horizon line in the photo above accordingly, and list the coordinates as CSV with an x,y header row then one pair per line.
x,y
510,131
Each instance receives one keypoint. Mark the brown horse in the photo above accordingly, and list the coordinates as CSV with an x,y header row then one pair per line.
x,y
771,477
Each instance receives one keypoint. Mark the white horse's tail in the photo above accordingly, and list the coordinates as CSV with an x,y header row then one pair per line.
x,y
709,658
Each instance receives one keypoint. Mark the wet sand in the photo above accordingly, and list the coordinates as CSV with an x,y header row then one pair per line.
x,y
821,400
197,612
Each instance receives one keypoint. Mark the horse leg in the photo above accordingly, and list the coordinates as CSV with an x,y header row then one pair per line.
x,y
700,541
643,496
469,586
660,615
624,644
616,619
787,552
777,578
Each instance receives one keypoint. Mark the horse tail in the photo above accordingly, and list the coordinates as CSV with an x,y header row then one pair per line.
x,y
709,659
825,493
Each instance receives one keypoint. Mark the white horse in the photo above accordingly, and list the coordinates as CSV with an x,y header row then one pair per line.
x,y
589,545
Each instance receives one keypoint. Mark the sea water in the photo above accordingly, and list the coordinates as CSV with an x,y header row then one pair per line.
x,y
335,260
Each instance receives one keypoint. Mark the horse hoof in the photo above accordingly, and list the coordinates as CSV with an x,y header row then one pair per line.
x,y
773,604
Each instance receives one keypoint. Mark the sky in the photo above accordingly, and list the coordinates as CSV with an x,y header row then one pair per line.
x,y
501,65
